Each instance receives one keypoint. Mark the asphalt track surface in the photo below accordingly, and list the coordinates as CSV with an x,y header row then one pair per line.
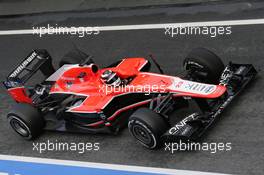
x,y
241,124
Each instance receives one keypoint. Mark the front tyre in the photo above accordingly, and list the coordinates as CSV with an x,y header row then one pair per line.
x,y
26,121
147,127
204,65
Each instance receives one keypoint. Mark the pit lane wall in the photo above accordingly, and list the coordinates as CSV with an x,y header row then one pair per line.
x,y
29,7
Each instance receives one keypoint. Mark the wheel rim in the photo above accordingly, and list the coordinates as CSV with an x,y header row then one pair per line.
x,y
19,126
142,134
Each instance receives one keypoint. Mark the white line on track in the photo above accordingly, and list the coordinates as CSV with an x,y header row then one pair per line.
x,y
154,26
104,166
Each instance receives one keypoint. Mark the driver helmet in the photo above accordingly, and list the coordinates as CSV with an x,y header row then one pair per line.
x,y
110,78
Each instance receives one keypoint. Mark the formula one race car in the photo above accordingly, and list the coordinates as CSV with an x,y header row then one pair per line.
x,y
80,97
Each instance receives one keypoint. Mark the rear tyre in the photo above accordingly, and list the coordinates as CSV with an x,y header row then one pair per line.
x,y
204,65
26,121
73,57
147,127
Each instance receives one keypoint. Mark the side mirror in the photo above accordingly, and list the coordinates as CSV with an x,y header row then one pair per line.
x,y
94,68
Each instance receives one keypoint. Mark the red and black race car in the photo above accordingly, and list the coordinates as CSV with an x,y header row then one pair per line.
x,y
81,97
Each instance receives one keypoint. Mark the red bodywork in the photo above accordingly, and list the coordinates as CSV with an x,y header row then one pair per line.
x,y
99,95
19,95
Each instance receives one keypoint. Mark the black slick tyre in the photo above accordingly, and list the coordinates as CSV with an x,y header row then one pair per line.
x,y
26,121
147,127
204,65
73,57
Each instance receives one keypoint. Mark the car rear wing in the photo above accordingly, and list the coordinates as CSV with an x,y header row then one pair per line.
x,y
36,60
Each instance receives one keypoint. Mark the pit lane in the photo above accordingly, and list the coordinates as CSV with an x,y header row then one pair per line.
x,y
241,124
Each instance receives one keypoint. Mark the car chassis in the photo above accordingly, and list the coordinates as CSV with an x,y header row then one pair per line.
x,y
234,78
